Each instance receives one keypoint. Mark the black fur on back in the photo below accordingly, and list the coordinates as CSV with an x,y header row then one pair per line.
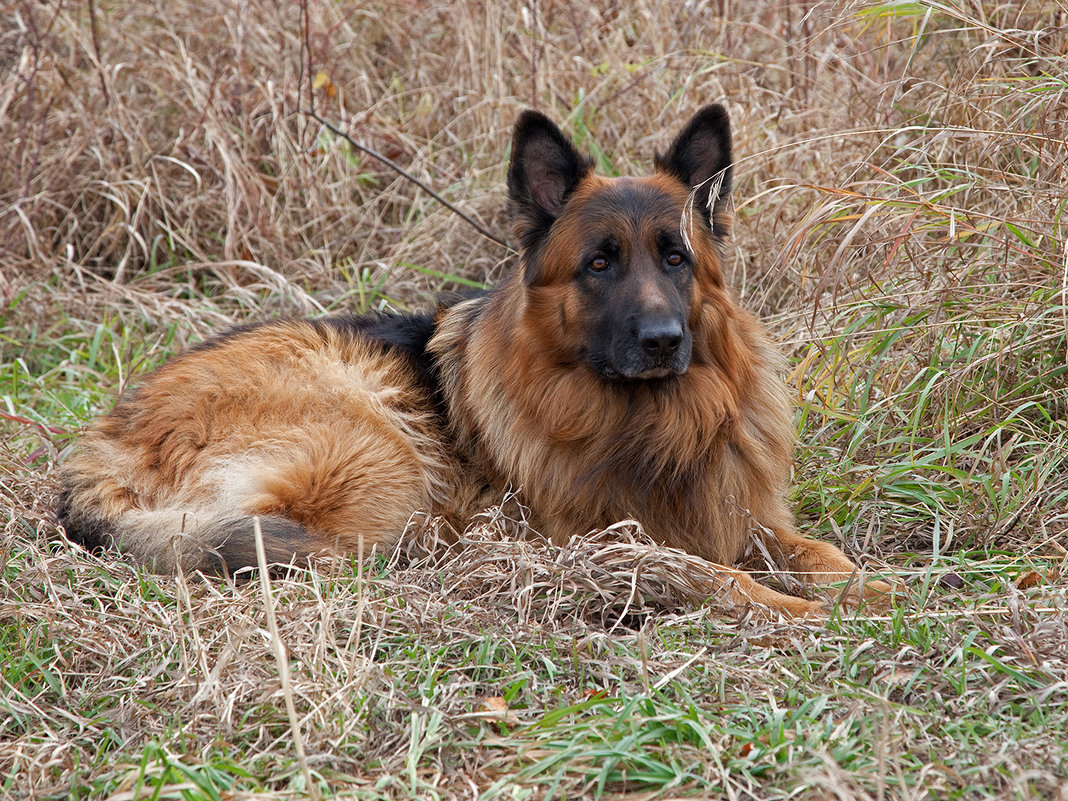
x,y
403,334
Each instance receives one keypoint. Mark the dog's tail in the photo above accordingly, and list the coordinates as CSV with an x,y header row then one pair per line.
x,y
164,540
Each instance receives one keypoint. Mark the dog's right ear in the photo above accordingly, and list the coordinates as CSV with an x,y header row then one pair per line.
x,y
545,169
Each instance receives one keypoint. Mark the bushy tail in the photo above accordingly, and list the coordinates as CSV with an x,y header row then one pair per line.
x,y
164,539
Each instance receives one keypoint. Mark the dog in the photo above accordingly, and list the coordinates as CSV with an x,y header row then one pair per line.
x,y
610,376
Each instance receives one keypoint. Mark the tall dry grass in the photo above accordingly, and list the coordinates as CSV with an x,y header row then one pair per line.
x,y
901,226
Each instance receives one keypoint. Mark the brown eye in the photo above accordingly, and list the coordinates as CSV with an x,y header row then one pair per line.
x,y
599,264
674,259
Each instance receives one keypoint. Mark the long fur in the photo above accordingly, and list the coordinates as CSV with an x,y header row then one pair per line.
x,y
611,376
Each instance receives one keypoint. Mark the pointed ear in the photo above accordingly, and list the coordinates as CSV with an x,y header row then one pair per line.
x,y
700,157
545,169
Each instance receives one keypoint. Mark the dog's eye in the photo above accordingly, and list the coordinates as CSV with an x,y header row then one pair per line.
x,y
675,259
598,264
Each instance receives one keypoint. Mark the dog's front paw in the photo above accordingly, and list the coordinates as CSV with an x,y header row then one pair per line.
x,y
871,595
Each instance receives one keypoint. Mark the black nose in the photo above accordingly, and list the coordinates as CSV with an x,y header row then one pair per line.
x,y
660,337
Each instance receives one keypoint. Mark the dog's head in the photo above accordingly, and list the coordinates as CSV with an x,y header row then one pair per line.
x,y
615,270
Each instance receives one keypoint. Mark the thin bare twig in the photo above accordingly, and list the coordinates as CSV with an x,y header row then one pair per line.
x,y
401,171
306,70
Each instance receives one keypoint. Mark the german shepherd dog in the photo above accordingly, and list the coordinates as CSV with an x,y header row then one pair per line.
x,y
611,376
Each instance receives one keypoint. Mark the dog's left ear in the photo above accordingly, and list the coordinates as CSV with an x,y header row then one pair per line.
x,y
700,157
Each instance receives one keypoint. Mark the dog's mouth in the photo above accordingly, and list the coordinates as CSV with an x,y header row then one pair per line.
x,y
656,373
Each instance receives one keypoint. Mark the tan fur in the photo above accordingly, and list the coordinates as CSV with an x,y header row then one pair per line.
x,y
336,440
720,442
524,411
327,431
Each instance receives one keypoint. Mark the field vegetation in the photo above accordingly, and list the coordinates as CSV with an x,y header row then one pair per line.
x,y
901,225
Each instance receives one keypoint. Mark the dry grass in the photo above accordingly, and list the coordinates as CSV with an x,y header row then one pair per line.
x,y
900,223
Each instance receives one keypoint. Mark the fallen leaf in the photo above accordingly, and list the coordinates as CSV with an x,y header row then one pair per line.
x,y
494,707
1032,578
